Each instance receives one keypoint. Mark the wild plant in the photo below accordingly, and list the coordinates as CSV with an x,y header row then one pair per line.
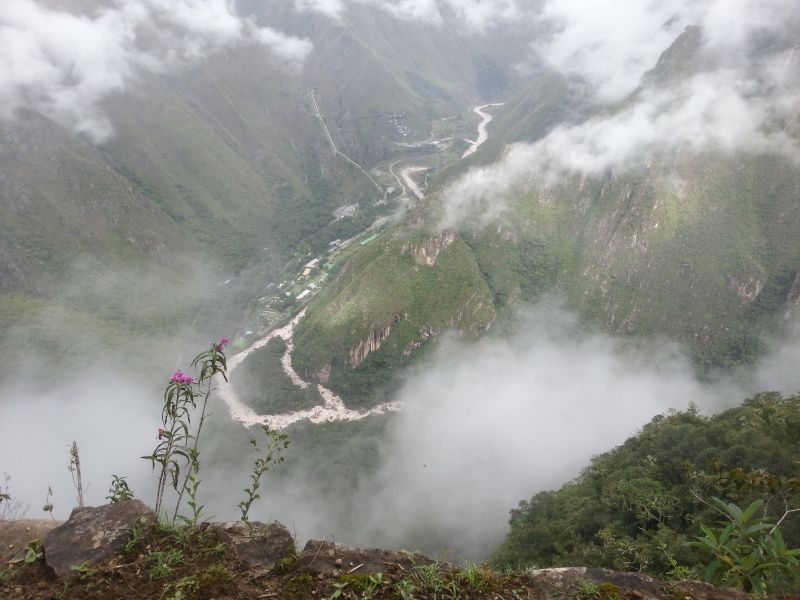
x,y
405,589
48,502
429,577
191,486
74,467
4,495
371,586
84,571
33,552
587,590
178,445
119,490
276,443
164,563
749,552
10,508
211,363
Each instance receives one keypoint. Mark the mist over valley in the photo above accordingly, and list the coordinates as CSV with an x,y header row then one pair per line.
x,y
534,260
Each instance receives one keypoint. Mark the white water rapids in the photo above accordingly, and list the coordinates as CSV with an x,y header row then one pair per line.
x,y
332,408
483,134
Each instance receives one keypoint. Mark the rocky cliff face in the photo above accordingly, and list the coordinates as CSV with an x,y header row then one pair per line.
x,y
426,253
358,353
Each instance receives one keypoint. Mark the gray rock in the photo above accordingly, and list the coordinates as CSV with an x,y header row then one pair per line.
x,y
259,546
555,584
16,535
93,535
321,556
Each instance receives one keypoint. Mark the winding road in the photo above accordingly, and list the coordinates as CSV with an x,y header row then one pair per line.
x,y
332,408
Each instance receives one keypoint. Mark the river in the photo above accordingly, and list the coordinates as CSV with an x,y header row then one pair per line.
x,y
332,407
483,133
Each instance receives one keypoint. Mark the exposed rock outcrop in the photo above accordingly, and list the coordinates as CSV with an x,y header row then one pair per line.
x,y
258,545
426,254
238,560
328,558
358,353
748,290
552,584
93,535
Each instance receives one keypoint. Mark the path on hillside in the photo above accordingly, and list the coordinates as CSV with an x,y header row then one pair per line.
x,y
336,149
332,408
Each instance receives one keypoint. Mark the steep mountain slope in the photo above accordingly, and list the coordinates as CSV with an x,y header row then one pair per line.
x,y
632,508
58,199
225,164
699,244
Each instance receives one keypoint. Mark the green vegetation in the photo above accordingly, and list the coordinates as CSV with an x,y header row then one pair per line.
x,y
184,562
388,286
749,552
267,458
639,506
85,572
261,383
588,590
119,491
33,552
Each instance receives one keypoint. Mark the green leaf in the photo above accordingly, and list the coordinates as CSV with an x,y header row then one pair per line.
x,y
751,510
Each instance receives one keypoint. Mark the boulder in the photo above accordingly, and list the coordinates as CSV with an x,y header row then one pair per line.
x,y
93,535
552,584
16,535
321,556
259,546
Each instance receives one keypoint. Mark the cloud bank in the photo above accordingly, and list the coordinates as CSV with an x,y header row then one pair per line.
x,y
736,93
475,15
491,423
65,65
113,422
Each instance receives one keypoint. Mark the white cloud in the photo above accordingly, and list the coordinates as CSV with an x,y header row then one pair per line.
x,y
65,65
329,8
611,44
488,424
475,15
735,101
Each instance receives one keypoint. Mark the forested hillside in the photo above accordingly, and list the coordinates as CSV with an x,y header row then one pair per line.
x,y
637,506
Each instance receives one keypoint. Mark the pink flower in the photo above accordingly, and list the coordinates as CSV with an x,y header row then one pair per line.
x,y
181,378
161,432
220,345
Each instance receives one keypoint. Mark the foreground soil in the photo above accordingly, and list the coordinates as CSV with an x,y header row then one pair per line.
x,y
163,562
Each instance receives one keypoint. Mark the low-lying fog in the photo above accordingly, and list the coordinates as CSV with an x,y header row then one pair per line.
x,y
487,424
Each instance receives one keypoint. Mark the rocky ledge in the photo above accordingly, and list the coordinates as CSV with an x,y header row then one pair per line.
x,y
122,551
